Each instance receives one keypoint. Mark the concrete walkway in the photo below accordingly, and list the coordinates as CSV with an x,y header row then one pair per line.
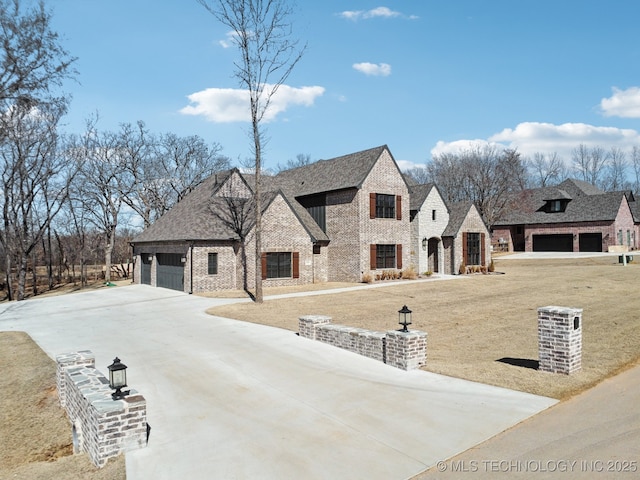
x,y
228,399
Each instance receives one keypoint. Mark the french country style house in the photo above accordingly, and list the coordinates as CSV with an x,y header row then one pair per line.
x,y
332,220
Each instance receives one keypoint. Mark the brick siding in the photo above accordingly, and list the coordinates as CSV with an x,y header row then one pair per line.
x,y
101,427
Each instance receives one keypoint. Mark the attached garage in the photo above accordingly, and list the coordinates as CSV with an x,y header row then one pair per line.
x,y
170,271
553,243
145,271
590,242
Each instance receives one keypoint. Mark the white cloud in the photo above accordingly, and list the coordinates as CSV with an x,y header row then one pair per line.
x,y
226,105
460,146
405,165
377,69
379,12
532,137
229,41
623,103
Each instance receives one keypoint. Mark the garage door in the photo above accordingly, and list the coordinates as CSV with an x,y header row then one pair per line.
x,y
591,242
145,271
553,243
170,271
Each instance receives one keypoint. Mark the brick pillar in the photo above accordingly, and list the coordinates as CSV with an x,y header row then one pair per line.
x,y
406,350
308,324
83,357
560,339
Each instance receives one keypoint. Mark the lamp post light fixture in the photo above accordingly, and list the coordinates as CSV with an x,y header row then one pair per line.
x,y
118,379
404,318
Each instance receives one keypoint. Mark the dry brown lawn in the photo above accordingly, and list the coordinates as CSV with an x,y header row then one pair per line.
x,y
35,433
484,327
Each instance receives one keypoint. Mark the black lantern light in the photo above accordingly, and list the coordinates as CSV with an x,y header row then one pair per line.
x,y
424,243
404,318
118,379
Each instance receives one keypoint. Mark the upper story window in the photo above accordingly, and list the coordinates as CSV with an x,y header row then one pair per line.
x,y
385,206
433,215
555,206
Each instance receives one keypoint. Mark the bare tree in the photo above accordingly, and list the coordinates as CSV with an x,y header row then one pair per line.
x,y
547,169
32,64
589,164
233,206
301,160
35,183
263,35
635,164
181,164
616,171
134,147
98,183
420,175
483,175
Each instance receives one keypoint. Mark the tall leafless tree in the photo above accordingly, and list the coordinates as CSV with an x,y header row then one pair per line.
x,y
35,183
616,171
420,175
547,169
233,206
98,183
268,53
635,165
301,160
589,164
32,65
483,175
180,165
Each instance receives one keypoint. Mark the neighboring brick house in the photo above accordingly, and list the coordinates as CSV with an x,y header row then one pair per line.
x,y
445,237
333,220
574,216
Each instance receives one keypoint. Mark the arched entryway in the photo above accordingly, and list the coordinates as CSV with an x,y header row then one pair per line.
x,y
433,255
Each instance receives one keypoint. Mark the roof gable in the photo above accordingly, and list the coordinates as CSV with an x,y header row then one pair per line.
x,y
578,187
191,218
458,213
347,171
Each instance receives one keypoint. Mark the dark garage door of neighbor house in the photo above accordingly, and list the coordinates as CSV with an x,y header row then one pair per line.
x,y
590,242
145,271
170,271
553,243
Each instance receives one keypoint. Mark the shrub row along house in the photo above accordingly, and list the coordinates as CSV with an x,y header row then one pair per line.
x,y
333,220
574,216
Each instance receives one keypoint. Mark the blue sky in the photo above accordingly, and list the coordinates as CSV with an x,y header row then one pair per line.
x,y
420,76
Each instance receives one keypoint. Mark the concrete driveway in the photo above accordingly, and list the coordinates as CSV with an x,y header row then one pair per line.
x,y
228,399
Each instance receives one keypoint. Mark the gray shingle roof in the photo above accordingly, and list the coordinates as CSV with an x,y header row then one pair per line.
x,y
347,171
457,213
418,194
585,204
578,187
191,218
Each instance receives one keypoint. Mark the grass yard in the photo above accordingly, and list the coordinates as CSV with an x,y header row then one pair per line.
x,y
484,327
35,433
